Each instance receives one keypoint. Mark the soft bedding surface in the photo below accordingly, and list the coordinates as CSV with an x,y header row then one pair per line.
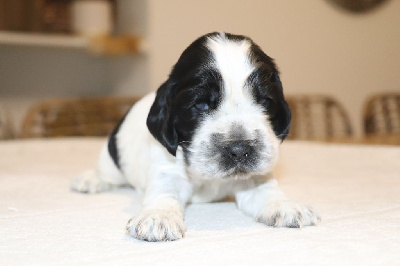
x,y
355,188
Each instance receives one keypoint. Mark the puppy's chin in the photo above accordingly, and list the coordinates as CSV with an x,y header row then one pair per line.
x,y
238,175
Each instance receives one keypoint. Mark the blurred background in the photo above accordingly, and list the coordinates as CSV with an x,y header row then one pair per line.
x,y
334,56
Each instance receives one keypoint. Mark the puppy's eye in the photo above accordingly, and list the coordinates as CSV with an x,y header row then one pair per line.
x,y
201,107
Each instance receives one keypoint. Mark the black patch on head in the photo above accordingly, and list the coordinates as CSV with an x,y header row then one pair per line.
x,y
192,91
268,91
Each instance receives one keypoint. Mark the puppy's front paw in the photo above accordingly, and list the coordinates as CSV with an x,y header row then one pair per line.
x,y
88,182
288,214
156,225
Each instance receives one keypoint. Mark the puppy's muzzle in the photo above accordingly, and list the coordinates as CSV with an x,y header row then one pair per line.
x,y
238,151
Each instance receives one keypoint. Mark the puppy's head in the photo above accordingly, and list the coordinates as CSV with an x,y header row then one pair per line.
x,y
223,107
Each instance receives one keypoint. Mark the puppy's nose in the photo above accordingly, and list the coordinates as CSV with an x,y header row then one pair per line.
x,y
238,150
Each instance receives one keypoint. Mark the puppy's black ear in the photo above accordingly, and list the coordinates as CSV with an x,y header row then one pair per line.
x,y
284,125
160,120
281,118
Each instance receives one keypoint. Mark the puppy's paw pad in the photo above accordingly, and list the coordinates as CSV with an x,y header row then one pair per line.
x,y
88,182
156,225
288,214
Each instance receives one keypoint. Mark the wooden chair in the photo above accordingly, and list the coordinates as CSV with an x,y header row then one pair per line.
x,y
75,117
317,117
6,128
382,114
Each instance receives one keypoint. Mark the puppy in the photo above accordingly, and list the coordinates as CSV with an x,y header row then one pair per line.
x,y
213,129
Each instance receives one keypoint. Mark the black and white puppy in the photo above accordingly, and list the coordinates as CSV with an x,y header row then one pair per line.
x,y
213,129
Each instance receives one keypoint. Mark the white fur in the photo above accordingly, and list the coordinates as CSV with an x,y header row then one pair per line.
x,y
237,109
169,184
233,63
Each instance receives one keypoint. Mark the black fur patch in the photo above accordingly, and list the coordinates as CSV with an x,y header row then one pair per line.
x,y
112,143
194,80
173,117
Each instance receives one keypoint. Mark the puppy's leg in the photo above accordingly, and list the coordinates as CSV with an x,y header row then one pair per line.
x,y
105,177
269,205
161,218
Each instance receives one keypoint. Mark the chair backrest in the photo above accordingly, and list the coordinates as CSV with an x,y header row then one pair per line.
x,y
75,117
6,128
317,117
382,114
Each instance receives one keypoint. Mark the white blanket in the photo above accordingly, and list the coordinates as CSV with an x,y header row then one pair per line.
x,y
355,188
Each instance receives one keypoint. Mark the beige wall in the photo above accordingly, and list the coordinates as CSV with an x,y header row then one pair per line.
x,y
318,48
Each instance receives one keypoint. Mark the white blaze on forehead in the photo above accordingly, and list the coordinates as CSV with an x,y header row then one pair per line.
x,y
237,116
233,62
